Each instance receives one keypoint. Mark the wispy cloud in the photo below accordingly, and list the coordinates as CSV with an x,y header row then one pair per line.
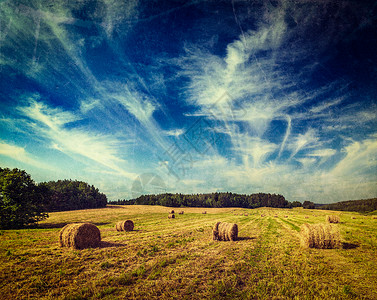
x,y
174,132
360,158
21,155
51,123
304,141
325,105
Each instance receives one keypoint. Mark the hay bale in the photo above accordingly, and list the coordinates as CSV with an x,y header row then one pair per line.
x,y
225,231
353,218
320,236
285,216
306,217
262,216
171,216
374,217
124,225
246,215
172,212
204,212
332,219
181,212
79,236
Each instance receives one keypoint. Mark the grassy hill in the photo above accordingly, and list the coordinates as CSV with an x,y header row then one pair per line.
x,y
177,258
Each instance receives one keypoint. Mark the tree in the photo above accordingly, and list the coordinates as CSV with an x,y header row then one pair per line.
x,y
296,204
21,201
308,205
70,195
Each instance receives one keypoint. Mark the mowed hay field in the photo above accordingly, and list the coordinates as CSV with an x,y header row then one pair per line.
x,y
178,259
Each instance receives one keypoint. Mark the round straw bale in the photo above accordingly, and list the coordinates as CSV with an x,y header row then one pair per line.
x,y
172,212
171,216
79,236
320,236
225,231
204,212
181,212
124,225
332,219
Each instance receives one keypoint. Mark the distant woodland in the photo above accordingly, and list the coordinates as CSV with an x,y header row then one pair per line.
x,y
210,200
362,206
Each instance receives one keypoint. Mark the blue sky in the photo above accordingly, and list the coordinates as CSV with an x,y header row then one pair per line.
x,y
192,96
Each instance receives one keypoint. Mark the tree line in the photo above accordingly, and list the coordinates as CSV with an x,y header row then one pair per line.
x,y
71,195
225,199
362,206
23,202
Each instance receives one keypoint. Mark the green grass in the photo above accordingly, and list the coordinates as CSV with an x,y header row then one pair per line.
x,y
177,258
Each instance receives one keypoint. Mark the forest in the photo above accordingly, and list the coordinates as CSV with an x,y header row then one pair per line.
x,y
223,199
362,206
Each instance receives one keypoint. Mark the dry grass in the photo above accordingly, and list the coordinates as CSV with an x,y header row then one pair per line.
x,y
320,236
225,232
127,225
80,236
178,259
333,219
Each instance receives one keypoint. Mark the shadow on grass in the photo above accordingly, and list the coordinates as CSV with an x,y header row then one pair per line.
x,y
116,206
245,238
61,225
104,244
349,245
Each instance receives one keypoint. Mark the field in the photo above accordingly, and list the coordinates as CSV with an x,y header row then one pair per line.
x,y
178,259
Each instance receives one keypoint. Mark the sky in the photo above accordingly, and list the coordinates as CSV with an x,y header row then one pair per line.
x,y
138,97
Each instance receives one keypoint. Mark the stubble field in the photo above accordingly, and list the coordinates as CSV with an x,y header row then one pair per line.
x,y
178,259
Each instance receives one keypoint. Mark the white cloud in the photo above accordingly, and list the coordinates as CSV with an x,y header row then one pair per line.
x,y
88,105
254,150
306,162
138,105
325,105
21,155
360,158
322,152
51,124
304,141
174,132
